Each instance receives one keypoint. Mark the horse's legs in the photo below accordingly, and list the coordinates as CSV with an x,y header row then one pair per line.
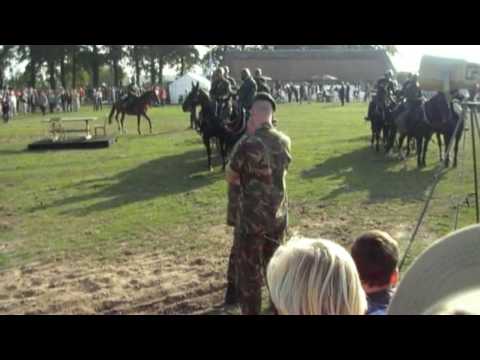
x,y
138,124
206,141
439,140
448,139
373,132
425,149
223,152
457,142
378,135
124,126
409,142
419,151
149,122
400,145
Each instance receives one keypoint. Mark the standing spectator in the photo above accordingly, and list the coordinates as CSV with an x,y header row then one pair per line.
x,y
289,93
81,93
163,96
33,99
367,92
347,93
303,94
63,100
43,102
376,256
52,100
315,277
75,100
259,164
99,99
13,102
69,100
341,94
22,102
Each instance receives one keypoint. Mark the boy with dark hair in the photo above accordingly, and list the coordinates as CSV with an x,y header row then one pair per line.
x,y
376,255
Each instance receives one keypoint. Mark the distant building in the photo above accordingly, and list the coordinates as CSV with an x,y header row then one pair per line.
x,y
308,64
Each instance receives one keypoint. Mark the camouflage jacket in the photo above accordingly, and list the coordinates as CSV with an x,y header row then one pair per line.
x,y
247,92
262,161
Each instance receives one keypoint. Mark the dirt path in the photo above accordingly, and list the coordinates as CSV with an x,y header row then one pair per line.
x,y
139,282
134,284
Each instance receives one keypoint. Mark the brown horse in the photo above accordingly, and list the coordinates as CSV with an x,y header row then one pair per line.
x,y
138,107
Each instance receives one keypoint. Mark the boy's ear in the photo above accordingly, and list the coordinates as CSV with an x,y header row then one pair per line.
x,y
394,278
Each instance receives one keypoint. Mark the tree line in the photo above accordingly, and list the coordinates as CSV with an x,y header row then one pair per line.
x,y
65,64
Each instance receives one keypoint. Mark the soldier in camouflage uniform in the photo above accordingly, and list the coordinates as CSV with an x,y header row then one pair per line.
x,y
259,165
246,94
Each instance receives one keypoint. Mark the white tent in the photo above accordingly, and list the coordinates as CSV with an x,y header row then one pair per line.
x,y
183,85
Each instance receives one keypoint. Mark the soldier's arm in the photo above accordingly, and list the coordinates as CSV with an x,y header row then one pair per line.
x,y
232,176
234,167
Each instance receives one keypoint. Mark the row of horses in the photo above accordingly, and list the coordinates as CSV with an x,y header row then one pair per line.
x,y
439,116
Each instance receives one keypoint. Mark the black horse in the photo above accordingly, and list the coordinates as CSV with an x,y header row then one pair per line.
x,y
138,107
211,127
380,115
434,116
447,130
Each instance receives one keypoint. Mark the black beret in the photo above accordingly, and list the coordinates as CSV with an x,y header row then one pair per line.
x,y
263,96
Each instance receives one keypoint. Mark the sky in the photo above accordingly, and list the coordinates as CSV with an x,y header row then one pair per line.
x,y
409,56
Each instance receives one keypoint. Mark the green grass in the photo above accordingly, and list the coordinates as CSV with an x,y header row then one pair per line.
x,y
155,191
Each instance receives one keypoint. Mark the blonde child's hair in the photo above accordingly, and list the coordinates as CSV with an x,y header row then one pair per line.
x,y
315,277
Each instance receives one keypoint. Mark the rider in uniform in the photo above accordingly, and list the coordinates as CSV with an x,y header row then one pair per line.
x,y
261,82
412,94
386,88
133,92
247,91
221,93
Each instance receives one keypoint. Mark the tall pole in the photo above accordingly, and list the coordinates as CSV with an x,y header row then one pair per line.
x,y
473,120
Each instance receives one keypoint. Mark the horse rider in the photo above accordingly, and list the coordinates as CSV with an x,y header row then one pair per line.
x,y
413,96
261,82
247,91
231,80
133,92
221,92
385,89
233,86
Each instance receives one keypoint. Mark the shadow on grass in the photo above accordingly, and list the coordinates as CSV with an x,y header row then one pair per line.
x,y
365,170
15,152
175,174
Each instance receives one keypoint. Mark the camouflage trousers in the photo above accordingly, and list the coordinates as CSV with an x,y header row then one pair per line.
x,y
233,204
248,263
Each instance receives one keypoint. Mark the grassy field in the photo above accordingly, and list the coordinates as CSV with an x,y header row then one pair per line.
x,y
154,194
